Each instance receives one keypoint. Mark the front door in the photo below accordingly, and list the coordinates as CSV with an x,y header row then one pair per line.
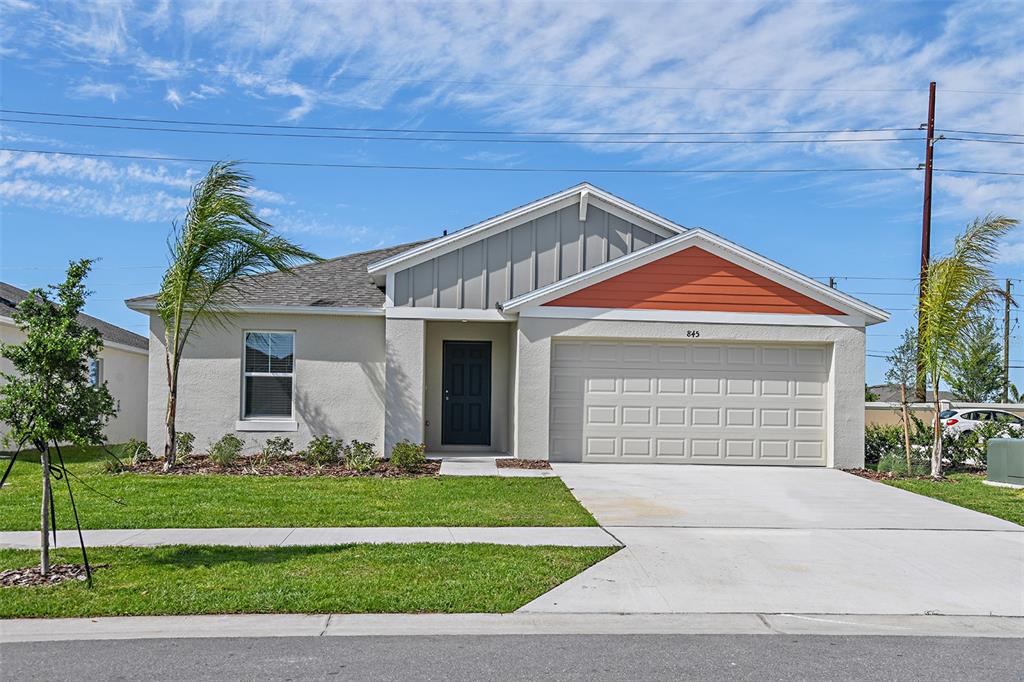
x,y
466,393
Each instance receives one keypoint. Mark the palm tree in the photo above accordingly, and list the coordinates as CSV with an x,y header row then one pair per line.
x,y
220,240
957,288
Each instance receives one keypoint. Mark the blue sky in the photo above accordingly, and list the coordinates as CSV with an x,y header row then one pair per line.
x,y
544,67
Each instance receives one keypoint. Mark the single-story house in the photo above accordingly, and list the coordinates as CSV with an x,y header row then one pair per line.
x,y
579,327
123,364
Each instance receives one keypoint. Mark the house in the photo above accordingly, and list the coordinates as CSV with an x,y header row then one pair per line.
x,y
123,364
579,327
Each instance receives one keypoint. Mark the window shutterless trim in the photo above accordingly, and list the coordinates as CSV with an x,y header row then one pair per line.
x,y
245,375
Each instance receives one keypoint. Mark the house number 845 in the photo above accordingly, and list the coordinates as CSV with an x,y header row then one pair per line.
x,y
692,334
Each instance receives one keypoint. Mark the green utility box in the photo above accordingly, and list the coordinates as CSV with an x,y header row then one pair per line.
x,y
1006,461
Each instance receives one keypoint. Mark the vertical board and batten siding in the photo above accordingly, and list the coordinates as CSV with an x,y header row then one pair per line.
x,y
519,260
694,279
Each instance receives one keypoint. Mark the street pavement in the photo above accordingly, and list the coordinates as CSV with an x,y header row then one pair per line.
x,y
557,657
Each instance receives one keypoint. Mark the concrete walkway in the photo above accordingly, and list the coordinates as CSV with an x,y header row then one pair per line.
x,y
785,540
441,624
292,537
476,465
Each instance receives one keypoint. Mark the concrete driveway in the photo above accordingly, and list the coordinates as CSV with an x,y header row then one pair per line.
x,y
707,539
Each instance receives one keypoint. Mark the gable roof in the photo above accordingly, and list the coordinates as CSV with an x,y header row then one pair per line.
x,y
716,245
11,296
583,193
340,282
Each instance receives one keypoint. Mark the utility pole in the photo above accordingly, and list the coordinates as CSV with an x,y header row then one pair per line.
x,y
1006,342
926,227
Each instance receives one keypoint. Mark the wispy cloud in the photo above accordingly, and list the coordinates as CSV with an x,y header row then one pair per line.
x,y
91,90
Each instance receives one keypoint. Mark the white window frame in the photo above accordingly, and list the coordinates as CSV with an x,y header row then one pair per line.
x,y
290,419
98,364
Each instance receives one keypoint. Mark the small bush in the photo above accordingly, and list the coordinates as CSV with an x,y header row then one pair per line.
x,y
226,450
134,451
408,456
278,447
971,448
881,441
184,443
322,450
897,464
112,465
360,456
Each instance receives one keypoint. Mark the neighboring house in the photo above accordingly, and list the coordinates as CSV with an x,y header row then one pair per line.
x,y
890,393
579,327
122,364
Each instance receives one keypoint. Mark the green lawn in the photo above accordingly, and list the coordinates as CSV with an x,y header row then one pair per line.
x,y
967,490
156,501
342,579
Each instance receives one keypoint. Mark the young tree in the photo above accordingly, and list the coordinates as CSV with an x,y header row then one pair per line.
x,y
975,372
220,240
958,288
49,399
903,372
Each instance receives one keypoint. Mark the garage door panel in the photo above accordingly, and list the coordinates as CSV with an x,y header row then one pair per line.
x,y
689,402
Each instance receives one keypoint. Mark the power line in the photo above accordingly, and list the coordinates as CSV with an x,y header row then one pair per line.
x,y
496,169
400,138
978,132
448,131
975,172
968,139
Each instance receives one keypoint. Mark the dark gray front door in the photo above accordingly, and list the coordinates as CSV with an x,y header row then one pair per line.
x,y
466,397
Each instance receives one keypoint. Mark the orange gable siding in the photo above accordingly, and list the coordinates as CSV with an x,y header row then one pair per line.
x,y
694,279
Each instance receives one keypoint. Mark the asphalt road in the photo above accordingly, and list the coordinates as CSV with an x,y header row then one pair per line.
x,y
562,657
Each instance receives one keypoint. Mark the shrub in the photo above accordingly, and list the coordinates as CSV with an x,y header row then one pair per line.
x,y
971,448
881,441
184,443
408,456
226,450
360,456
322,450
112,465
135,451
278,447
897,463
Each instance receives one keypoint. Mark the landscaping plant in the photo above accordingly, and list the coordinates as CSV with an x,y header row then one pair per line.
x,y
226,450
135,451
220,240
322,450
277,447
957,289
49,399
185,443
408,456
360,456
902,371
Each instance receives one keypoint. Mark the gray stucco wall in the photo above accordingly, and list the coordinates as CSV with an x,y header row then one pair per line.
x,y
519,260
533,355
406,353
125,373
499,334
338,390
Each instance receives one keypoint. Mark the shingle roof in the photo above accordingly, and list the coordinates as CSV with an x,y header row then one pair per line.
x,y
338,282
10,296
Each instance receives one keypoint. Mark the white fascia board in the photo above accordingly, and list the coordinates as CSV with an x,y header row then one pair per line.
x,y
451,314
693,316
149,306
523,214
714,244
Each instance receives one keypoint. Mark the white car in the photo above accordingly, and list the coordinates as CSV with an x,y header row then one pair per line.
x,y
965,420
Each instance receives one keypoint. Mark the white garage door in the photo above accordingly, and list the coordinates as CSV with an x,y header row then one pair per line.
x,y
700,403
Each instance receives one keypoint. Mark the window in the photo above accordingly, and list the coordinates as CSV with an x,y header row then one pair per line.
x,y
946,414
269,374
96,372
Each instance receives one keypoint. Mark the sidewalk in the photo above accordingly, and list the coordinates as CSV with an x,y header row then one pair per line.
x,y
370,624
587,536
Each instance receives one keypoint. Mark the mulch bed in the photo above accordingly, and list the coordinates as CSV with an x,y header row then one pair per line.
x,y
200,465
893,476
515,463
31,577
